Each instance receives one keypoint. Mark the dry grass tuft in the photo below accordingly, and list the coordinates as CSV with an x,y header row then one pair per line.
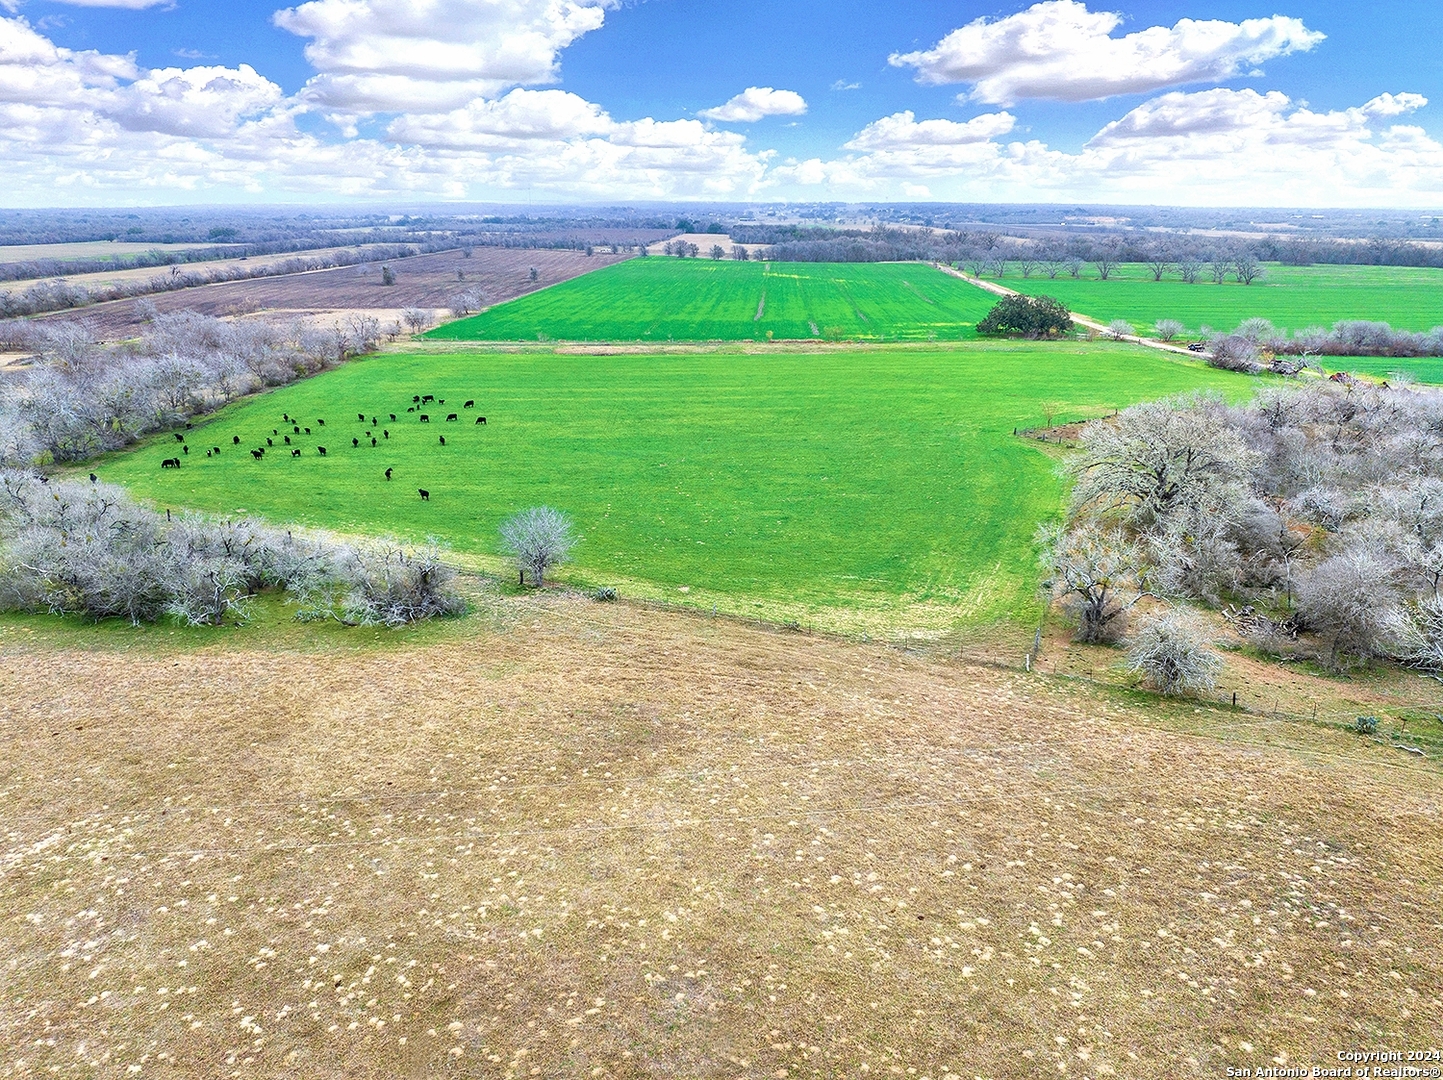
x,y
610,842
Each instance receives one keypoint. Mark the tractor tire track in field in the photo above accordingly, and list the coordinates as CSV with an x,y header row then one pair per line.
x,y
1080,320
761,307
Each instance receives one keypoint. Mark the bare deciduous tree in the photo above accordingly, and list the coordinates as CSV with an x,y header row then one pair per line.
x,y
1098,572
538,538
1172,656
1169,329
417,319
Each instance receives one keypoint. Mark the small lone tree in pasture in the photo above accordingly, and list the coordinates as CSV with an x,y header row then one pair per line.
x,y
535,274
1172,656
1027,316
388,276
1098,573
538,539
1169,329
417,319
718,253
1119,329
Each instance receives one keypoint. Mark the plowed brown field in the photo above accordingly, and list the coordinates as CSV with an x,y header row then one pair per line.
x,y
424,281
569,839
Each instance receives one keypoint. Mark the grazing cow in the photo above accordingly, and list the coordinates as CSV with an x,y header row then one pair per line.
x,y
184,449
295,453
416,399
235,439
275,431
425,495
361,417
374,421
443,440
170,463
288,440
258,454
94,478
355,442
450,417
296,430
308,431
215,449
411,410
179,437
388,474
441,402
321,450
480,419
469,405
373,440
425,419
393,418
286,417
386,432
207,453
270,442
427,397
320,423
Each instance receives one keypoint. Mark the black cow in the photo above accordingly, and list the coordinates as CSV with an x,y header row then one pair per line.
x,y
393,418
386,432
374,421
373,440
275,431
355,442
480,419
427,397
388,474
288,440
469,405
450,417
425,419
415,399
286,417
441,402
296,430
179,437
270,442
207,453
443,440
320,423
94,478
235,439
321,450
170,463
295,453
425,495
361,417
258,454
411,409
308,431
184,449
215,449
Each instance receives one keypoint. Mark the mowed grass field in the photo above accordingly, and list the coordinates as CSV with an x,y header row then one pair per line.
x,y
848,487
1291,297
667,299
587,840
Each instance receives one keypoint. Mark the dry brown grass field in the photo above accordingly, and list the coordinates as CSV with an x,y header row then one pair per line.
x,y
423,281
561,838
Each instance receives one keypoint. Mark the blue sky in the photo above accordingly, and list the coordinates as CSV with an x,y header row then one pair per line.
x,y
1314,103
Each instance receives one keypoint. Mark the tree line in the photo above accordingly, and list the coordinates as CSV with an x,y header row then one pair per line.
x,y
1312,515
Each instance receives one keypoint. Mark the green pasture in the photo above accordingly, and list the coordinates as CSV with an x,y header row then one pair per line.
x,y
666,299
1290,297
849,487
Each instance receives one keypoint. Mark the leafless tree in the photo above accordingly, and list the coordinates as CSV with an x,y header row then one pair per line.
x,y
718,252
1169,329
1027,262
1172,655
1105,258
1074,266
1098,572
1119,329
1351,599
1189,268
389,585
538,538
417,319
1159,261
1219,269
1247,268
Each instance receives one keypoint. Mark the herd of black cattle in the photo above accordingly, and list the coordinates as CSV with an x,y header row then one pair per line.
x,y
418,402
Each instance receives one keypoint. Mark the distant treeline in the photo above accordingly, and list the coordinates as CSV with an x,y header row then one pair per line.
x,y
61,295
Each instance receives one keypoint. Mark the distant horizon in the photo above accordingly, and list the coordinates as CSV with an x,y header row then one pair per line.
x,y
331,103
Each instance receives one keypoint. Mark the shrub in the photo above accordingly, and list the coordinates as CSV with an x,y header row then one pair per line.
x,y
1119,329
1350,599
1172,656
538,538
1169,329
390,586
1027,316
1366,725
388,276
1233,352
606,594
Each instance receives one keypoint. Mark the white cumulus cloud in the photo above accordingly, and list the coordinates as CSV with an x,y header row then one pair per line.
x,y
1060,50
756,102
397,55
